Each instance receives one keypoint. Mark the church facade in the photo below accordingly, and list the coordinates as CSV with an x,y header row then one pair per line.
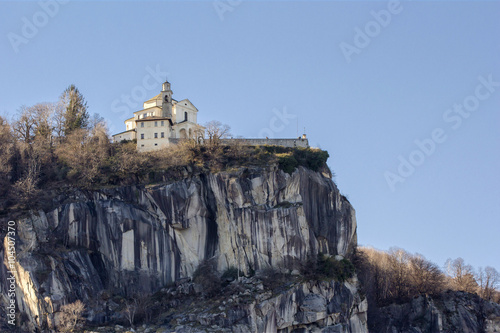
x,y
161,122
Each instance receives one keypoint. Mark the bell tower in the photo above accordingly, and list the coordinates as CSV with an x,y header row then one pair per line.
x,y
166,95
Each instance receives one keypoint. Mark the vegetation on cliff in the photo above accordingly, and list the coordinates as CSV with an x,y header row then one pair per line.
x,y
51,146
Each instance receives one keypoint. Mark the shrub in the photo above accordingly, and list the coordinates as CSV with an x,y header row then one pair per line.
x,y
340,270
272,278
230,274
326,267
290,158
207,276
312,159
287,162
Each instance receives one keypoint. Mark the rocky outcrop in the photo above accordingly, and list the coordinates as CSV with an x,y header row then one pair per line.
x,y
452,311
137,239
312,306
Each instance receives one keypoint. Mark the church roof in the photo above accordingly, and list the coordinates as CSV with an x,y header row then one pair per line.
x,y
157,97
146,109
154,98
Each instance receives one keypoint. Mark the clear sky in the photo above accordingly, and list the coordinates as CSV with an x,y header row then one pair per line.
x,y
382,86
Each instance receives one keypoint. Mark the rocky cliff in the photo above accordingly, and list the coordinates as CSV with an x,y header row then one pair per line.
x,y
451,311
139,239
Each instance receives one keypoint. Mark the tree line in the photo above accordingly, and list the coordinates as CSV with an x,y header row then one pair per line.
x,y
397,276
38,137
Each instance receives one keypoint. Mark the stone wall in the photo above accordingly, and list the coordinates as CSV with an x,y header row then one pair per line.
x,y
291,143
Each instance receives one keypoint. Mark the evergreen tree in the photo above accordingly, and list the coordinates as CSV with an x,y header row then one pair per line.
x,y
76,115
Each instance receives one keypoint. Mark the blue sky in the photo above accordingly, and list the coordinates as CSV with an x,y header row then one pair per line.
x,y
365,90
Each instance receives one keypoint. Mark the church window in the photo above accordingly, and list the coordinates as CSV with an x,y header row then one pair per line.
x,y
162,134
185,116
156,135
142,136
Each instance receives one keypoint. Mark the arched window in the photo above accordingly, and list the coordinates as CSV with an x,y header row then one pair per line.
x,y
185,116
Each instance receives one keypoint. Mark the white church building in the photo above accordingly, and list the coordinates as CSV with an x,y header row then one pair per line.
x,y
162,121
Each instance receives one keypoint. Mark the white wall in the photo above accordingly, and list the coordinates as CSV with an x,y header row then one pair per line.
x,y
182,107
148,132
124,136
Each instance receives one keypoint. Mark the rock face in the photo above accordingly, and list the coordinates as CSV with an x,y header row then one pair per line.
x,y
137,239
453,311
312,306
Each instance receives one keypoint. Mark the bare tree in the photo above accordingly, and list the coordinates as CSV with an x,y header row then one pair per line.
x,y
196,135
26,187
33,122
215,131
398,265
377,274
6,153
397,275
462,275
175,155
71,316
24,125
144,307
43,125
96,123
33,130
488,280
85,153
130,310
127,161
426,277
58,119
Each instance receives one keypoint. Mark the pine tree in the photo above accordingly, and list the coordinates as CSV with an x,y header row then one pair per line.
x,y
76,115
